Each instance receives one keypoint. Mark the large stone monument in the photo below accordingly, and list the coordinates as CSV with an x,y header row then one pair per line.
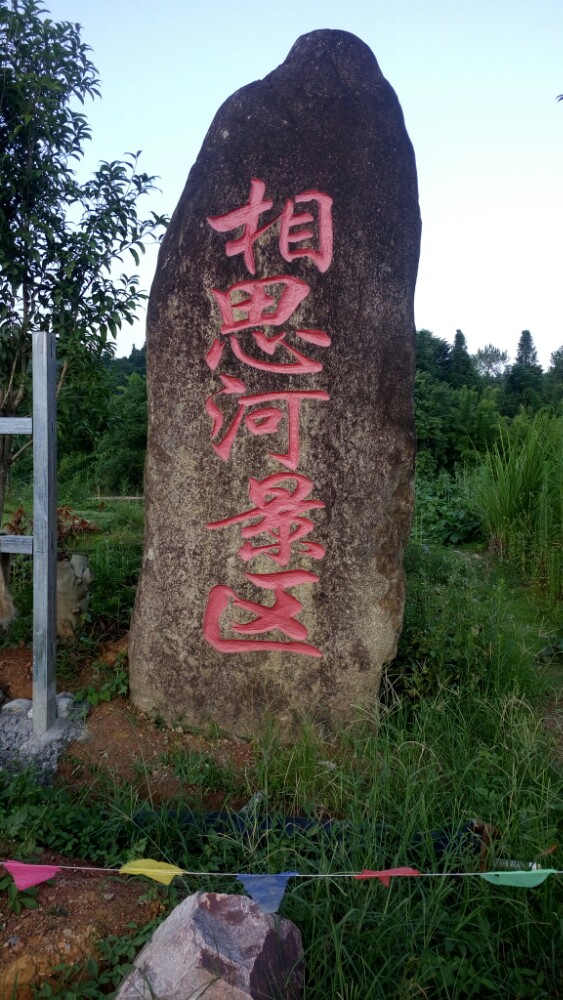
x,y
279,477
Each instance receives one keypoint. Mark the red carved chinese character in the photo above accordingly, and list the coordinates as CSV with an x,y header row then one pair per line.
x,y
255,308
281,511
266,420
302,365
280,616
247,216
289,220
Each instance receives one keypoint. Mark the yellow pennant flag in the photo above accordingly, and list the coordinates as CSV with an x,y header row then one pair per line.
x,y
157,870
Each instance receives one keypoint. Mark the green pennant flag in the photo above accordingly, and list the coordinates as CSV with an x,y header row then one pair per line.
x,y
526,879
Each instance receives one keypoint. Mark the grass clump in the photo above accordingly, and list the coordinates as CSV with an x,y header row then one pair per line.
x,y
464,629
519,492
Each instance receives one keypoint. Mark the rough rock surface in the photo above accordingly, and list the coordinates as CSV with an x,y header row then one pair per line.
x,y
74,577
324,126
218,947
21,747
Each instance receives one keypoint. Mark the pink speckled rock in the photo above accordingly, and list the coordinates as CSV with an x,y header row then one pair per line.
x,y
218,947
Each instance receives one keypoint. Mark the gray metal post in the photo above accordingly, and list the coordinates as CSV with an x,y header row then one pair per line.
x,y
44,532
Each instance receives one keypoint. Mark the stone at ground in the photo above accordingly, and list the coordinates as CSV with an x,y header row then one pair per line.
x,y
20,746
218,947
74,577
281,350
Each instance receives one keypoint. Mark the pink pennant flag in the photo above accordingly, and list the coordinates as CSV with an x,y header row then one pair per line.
x,y
386,875
27,875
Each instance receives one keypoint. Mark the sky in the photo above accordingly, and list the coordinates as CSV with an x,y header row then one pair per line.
x,y
477,82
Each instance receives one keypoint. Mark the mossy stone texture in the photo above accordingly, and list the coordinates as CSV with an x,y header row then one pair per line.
x,y
322,135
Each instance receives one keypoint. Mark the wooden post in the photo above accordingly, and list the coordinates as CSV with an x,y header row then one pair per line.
x,y
44,532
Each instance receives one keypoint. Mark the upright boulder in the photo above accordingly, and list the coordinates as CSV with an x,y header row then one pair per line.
x,y
280,342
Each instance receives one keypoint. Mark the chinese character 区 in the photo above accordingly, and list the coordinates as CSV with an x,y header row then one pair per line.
x,y
279,617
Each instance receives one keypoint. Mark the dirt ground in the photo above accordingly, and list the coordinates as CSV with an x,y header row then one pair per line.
x,y
78,909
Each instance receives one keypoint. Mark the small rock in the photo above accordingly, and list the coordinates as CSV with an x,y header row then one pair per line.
x,y
65,704
218,947
18,706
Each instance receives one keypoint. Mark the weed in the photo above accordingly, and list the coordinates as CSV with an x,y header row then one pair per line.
x,y
444,513
200,770
16,899
460,631
110,682
94,978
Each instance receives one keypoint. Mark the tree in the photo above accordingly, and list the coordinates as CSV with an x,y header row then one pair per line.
x,y
554,380
524,381
460,369
526,353
432,354
120,368
60,239
490,362
120,456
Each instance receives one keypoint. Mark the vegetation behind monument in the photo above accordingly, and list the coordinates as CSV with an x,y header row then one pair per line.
x,y
61,238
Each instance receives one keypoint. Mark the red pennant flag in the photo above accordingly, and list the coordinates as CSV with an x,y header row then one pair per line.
x,y
387,874
27,875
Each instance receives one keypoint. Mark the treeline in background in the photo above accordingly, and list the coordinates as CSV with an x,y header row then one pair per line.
x,y
489,458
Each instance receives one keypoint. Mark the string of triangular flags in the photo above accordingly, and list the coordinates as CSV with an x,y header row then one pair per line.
x,y
268,890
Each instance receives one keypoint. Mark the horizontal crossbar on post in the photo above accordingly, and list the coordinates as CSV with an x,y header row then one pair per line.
x,y
17,543
16,425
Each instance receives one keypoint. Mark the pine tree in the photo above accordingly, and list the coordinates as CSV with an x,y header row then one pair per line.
x,y
460,369
526,353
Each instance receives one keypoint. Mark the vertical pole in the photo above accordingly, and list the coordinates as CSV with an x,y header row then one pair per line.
x,y
44,532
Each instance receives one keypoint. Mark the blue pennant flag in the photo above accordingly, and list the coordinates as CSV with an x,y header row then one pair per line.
x,y
266,890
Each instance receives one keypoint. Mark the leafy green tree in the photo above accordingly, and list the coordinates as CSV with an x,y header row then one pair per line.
x,y
490,362
486,422
432,354
60,239
120,456
438,424
120,368
553,381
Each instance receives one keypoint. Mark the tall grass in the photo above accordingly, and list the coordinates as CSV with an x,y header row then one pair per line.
x,y
399,787
458,739
518,492
402,785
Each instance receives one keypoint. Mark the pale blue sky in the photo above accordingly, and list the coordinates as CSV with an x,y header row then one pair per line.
x,y
477,82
